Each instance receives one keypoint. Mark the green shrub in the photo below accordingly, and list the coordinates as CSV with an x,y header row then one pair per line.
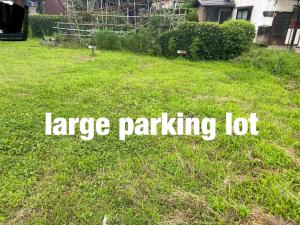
x,y
237,37
145,40
156,25
43,25
106,39
184,35
137,41
163,43
130,42
192,15
209,40
199,40
172,48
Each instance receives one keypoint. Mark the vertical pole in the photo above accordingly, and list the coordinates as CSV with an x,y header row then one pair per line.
x,y
134,14
106,8
101,8
295,29
127,23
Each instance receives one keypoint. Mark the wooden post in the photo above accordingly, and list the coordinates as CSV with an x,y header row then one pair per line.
x,y
134,14
296,25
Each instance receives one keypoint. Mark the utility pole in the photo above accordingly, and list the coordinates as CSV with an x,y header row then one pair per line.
x,y
295,29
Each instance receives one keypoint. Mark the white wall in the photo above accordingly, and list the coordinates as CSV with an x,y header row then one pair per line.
x,y
259,6
285,5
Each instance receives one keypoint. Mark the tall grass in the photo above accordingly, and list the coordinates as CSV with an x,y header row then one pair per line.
x,y
277,62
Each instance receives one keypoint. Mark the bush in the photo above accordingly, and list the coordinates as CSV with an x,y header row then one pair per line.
x,y
146,40
237,37
130,42
209,40
106,39
199,40
172,48
43,25
139,41
163,43
192,15
185,34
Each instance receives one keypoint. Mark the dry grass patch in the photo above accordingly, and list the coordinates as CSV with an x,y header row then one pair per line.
x,y
260,216
188,208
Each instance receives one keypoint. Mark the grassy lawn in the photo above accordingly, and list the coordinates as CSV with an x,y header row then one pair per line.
x,y
144,180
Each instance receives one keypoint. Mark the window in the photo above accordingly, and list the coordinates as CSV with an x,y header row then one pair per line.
x,y
218,14
244,13
224,15
212,14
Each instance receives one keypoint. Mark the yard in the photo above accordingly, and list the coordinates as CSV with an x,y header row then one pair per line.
x,y
144,180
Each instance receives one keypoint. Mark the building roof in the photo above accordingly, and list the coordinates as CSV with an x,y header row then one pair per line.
x,y
216,2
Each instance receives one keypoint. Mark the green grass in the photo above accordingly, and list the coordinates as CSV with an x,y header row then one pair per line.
x,y
145,180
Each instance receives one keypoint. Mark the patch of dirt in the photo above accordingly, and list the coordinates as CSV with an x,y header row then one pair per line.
x,y
143,66
85,58
260,216
188,208
201,97
24,214
23,95
179,217
291,153
239,178
223,99
292,85
21,216
297,136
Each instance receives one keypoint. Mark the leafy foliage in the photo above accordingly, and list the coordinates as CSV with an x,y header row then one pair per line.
x,y
210,40
106,39
281,63
133,41
163,42
207,44
192,15
237,36
137,41
43,25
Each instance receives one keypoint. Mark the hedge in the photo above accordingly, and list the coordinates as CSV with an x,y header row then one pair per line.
x,y
208,40
132,41
237,37
139,41
43,25
106,39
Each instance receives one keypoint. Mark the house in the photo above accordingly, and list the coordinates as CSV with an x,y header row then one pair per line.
x,y
54,7
273,19
215,10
